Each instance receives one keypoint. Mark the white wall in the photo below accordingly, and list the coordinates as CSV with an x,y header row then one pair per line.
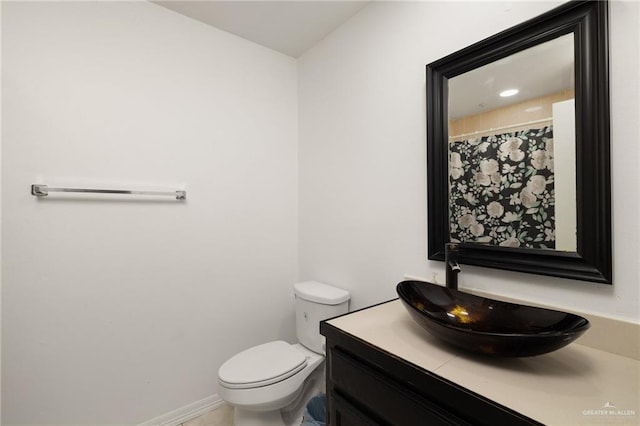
x,y
362,153
117,311
0,222
564,176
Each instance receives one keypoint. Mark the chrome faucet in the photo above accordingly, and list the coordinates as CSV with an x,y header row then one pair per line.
x,y
451,251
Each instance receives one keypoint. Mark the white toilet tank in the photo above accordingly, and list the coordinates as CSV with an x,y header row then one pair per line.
x,y
315,302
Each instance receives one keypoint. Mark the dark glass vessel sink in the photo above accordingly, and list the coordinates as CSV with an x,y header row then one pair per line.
x,y
488,326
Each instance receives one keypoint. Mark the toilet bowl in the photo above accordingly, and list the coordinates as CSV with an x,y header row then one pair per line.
x,y
260,381
286,366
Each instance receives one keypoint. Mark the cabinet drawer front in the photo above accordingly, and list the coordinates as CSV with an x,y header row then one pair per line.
x,y
383,397
346,414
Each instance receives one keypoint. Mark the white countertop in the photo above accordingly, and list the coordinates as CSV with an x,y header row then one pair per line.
x,y
575,385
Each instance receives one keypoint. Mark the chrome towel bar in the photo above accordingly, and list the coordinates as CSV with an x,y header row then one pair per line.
x,y
43,190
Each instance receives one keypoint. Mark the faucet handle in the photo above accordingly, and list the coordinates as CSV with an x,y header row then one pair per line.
x,y
451,251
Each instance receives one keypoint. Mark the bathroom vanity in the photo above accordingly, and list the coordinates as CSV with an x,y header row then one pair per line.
x,y
382,368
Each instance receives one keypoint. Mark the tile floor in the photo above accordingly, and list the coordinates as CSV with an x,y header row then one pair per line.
x,y
221,416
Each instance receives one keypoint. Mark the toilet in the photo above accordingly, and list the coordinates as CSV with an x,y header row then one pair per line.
x,y
260,381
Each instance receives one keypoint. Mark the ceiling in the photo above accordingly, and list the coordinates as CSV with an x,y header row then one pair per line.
x,y
540,70
289,27
293,26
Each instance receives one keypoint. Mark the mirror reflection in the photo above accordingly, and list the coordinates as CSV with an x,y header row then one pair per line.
x,y
512,162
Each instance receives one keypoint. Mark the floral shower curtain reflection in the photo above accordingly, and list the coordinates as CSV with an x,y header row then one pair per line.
x,y
502,189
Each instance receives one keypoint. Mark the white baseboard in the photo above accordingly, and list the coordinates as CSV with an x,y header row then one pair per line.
x,y
186,413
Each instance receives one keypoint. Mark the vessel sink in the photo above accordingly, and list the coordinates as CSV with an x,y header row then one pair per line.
x,y
488,326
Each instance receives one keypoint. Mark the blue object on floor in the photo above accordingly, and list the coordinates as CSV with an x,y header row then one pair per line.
x,y
315,414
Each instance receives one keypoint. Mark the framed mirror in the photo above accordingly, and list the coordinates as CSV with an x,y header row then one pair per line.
x,y
518,161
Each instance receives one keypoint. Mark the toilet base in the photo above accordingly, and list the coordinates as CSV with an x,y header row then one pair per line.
x,y
243,417
291,413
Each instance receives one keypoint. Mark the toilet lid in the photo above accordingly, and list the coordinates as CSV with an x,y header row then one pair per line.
x,y
262,365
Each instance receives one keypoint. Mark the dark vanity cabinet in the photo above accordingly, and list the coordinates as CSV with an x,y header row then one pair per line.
x,y
369,386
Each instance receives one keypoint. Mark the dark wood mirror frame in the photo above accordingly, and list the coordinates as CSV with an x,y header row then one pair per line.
x,y
588,22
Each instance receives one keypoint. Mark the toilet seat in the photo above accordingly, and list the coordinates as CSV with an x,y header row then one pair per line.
x,y
262,365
